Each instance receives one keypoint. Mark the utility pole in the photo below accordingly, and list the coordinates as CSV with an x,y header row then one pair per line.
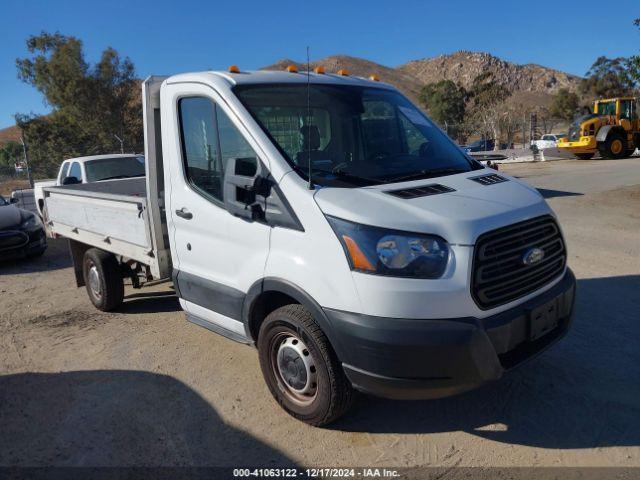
x,y
121,142
26,159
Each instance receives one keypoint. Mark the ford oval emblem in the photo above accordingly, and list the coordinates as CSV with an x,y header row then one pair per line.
x,y
533,256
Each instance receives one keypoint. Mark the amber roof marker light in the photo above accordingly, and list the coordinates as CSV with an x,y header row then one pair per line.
x,y
343,72
374,78
234,69
292,69
319,70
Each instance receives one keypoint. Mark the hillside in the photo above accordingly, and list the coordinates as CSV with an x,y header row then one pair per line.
x,y
408,83
530,84
462,67
9,134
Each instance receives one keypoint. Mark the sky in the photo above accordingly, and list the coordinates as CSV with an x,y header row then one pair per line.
x,y
167,37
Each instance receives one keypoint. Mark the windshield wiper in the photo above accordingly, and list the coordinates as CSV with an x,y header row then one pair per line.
x,y
343,174
425,174
338,173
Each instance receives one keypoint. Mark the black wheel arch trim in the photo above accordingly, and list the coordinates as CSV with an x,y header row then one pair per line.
x,y
280,285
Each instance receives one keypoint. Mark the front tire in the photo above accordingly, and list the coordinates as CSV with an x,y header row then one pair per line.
x,y
103,279
584,156
300,367
614,146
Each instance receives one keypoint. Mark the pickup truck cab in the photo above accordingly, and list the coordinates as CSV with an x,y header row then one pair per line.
x,y
94,168
325,220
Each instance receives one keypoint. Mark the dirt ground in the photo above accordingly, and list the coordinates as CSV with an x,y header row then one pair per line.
x,y
142,387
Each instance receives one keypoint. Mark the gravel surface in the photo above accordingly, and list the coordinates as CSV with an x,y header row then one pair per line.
x,y
143,387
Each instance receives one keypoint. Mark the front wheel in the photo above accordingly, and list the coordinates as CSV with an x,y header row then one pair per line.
x,y
300,367
584,156
614,146
103,279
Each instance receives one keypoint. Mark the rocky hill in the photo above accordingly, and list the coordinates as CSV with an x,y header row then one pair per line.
x,y
530,84
462,67
406,82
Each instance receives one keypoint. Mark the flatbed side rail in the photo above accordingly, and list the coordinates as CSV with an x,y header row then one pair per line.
x,y
115,223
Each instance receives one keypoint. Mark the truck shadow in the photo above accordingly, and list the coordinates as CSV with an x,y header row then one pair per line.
x,y
150,302
118,418
547,193
583,393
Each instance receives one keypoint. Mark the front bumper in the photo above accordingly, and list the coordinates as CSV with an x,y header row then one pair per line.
x,y
584,145
419,359
15,244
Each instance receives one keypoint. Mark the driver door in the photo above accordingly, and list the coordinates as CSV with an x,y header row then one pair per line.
x,y
216,255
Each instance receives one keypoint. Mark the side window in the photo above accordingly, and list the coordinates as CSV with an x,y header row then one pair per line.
x,y
232,143
209,139
625,109
200,149
74,171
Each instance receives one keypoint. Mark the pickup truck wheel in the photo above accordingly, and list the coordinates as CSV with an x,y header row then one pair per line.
x,y
300,367
614,146
585,156
103,279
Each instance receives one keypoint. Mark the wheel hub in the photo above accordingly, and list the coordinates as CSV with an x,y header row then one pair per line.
x,y
616,146
296,369
94,281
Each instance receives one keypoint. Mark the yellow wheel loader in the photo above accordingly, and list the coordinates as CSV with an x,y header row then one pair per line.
x,y
613,130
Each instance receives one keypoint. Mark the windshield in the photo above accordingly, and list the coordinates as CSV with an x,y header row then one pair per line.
x,y
118,167
607,108
3,202
353,136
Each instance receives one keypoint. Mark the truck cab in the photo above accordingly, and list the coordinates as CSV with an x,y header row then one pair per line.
x,y
325,220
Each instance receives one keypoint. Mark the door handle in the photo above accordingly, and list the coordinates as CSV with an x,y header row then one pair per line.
x,y
184,213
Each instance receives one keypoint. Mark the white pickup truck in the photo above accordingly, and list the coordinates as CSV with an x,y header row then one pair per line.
x,y
548,140
325,220
94,168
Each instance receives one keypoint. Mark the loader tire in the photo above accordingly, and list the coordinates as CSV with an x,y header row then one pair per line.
x,y
614,147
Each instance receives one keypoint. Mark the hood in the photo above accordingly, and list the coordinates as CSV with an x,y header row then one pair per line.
x,y
10,216
459,216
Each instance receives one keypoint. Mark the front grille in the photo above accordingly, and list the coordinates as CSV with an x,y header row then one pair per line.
x,y
12,239
499,272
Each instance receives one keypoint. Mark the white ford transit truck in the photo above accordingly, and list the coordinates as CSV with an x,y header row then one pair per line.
x,y
324,219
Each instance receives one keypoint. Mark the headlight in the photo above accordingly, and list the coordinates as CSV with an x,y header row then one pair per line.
x,y
31,222
389,252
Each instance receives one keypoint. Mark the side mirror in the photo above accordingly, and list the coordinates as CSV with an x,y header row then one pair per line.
x,y
242,184
70,181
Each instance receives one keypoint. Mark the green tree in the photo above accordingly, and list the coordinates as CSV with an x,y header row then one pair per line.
x,y
486,92
633,64
607,77
564,104
445,101
10,154
90,103
488,107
